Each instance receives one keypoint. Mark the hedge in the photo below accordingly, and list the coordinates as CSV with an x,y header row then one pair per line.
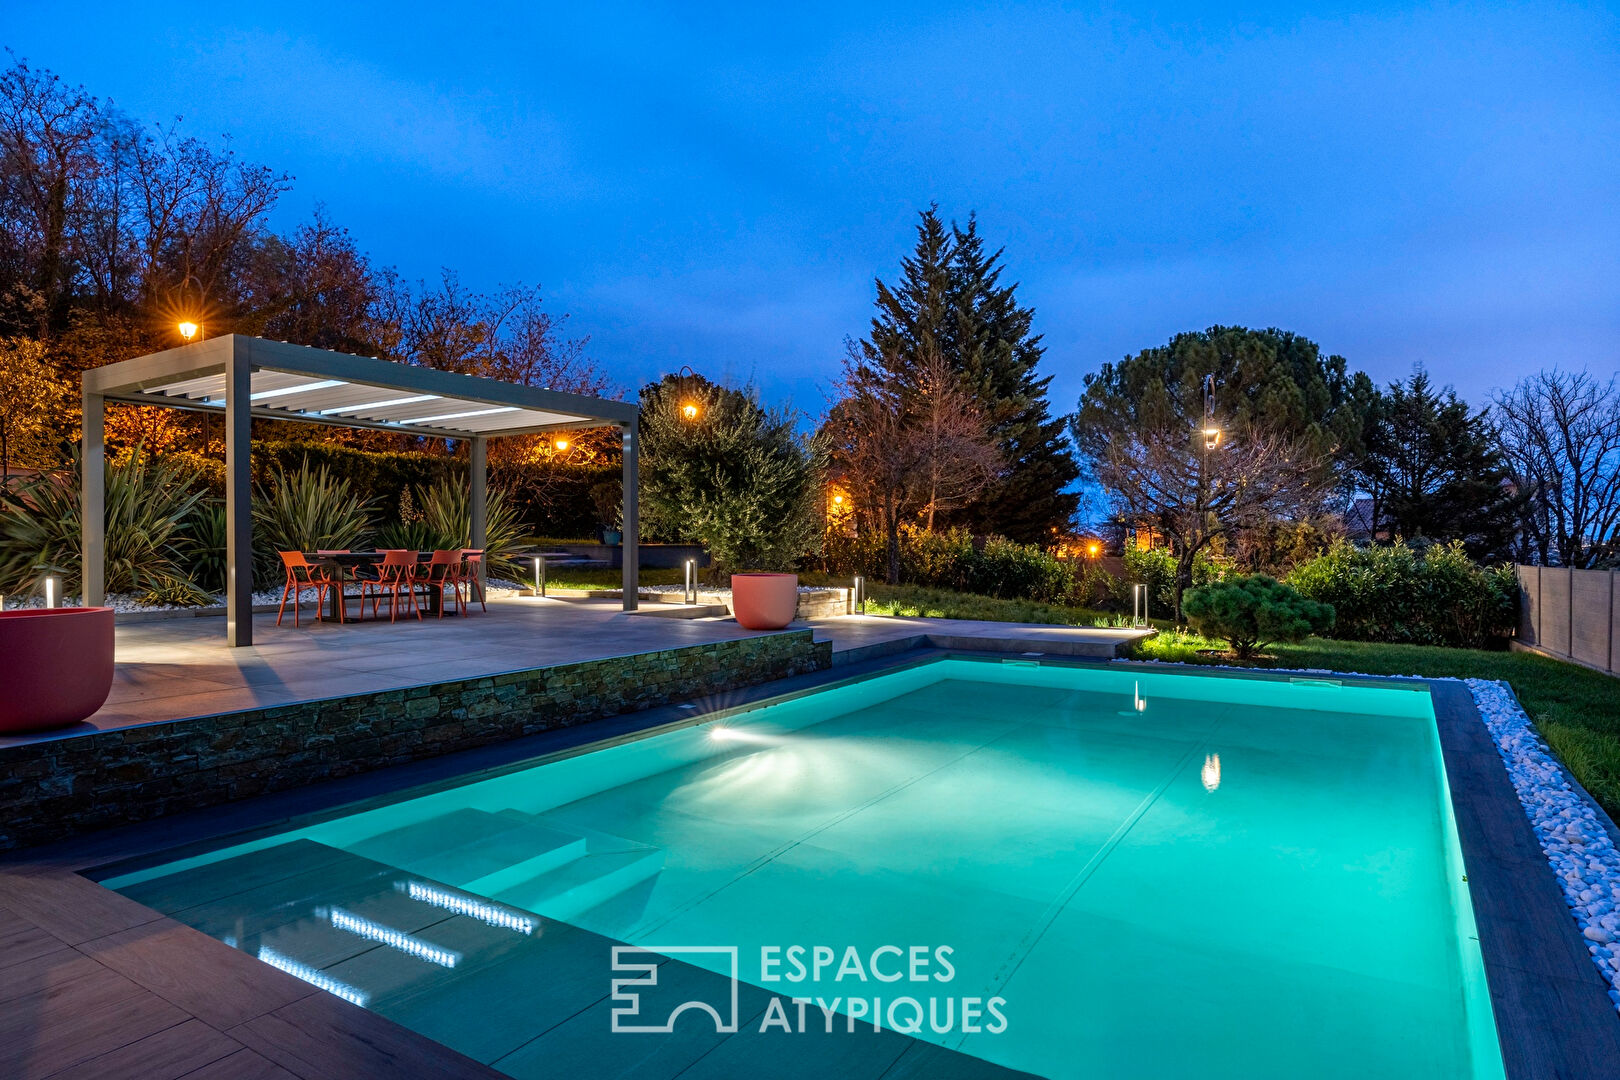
x,y
1398,593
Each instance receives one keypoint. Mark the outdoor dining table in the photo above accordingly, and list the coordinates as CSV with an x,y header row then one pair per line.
x,y
351,560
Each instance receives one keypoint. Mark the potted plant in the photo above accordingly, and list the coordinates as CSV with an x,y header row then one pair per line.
x,y
609,511
59,663
764,601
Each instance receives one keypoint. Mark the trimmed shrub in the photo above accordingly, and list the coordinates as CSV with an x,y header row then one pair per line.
x,y
380,474
952,559
1252,612
1005,568
1396,593
1155,568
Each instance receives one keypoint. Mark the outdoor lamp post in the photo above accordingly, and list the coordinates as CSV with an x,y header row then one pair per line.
x,y
189,330
689,411
539,575
50,592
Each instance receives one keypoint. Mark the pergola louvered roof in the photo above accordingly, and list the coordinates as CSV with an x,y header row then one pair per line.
x,y
300,383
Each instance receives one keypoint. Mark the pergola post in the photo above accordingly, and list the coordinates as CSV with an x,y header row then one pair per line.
x,y
632,520
478,504
238,500
93,504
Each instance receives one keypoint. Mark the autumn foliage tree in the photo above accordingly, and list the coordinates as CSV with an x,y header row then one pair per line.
x,y
909,444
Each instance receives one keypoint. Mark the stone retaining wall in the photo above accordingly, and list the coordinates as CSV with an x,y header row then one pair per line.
x,y
58,787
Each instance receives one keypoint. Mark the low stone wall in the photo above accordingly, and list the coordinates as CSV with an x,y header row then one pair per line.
x,y
59,787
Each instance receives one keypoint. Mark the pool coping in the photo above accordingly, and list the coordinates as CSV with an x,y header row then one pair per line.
x,y
1552,1014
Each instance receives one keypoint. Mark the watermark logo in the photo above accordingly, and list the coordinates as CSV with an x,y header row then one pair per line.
x,y
642,963
900,988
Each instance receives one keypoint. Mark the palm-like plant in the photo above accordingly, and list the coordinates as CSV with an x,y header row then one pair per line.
x,y
206,545
447,513
307,510
148,503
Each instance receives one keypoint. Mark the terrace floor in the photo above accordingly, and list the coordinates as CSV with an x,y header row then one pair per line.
x,y
177,668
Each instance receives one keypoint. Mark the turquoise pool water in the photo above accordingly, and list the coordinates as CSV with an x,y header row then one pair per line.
x,y
1158,875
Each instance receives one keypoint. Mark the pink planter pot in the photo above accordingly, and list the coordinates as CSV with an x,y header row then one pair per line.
x,y
59,666
764,601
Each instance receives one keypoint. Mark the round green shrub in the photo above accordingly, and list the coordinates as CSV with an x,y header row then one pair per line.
x,y
1252,612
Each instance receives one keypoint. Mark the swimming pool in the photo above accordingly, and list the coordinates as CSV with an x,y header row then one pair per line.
x,y
1153,874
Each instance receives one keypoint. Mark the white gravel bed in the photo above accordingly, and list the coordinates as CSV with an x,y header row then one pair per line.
x,y
709,590
1577,845
127,604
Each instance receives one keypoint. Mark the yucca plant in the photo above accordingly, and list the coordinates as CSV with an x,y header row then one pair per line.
x,y
411,536
206,545
447,513
307,510
148,504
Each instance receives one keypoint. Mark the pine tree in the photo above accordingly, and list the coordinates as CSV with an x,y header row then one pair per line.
x,y
1433,470
998,353
949,304
914,319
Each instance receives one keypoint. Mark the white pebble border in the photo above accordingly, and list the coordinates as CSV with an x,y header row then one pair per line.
x,y
1577,844
129,605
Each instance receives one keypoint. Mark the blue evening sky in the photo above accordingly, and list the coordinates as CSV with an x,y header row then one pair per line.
x,y
718,186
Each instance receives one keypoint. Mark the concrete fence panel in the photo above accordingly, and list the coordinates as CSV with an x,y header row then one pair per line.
x,y
1591,594
1529,604
1571,614
1555,610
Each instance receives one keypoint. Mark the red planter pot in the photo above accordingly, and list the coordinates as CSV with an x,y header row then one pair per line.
x,y
59,666
764,601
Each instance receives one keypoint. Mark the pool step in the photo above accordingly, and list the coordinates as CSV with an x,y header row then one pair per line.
x,y
570,890
421,840
475,849
364,930
610,868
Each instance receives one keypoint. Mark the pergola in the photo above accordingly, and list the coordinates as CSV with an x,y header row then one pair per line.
x,y
246,377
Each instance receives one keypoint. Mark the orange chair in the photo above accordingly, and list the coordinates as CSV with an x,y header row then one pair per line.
x,y
470,571
443,572
396,574
342,575
303,574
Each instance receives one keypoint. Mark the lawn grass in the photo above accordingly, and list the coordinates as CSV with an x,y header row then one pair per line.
x,y
1576,709
919,601
590,577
